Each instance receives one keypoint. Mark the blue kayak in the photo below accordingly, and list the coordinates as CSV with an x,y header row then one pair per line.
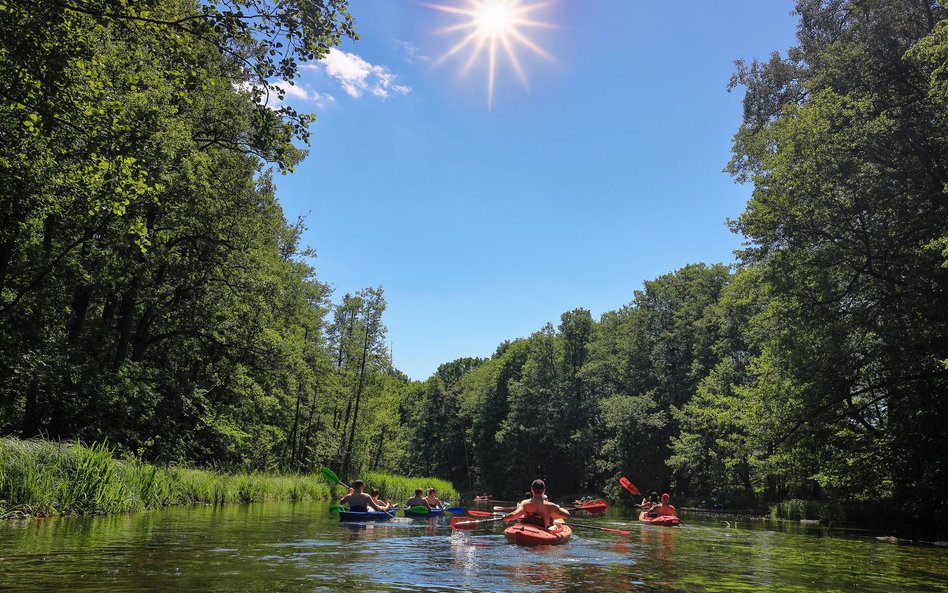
x,y
432,513
367,516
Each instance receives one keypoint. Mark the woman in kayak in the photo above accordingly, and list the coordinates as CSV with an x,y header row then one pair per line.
x,y
432,499
417,500
358,501
650,503
382,505
536,510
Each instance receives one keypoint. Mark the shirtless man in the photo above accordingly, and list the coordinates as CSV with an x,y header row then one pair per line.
x,y
536,510
417,500
432,499
358,500
665,508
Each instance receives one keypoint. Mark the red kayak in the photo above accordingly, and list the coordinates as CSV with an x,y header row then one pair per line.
x,y
523,534
592,506
663,520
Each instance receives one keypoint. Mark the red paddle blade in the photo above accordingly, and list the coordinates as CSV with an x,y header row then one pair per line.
x,y
625,483
474,513
619,531
464,524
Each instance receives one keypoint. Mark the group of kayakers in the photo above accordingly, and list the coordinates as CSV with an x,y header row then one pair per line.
x,y
651,505
361,502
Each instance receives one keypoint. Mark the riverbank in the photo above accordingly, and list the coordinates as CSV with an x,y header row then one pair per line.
x,y
43,478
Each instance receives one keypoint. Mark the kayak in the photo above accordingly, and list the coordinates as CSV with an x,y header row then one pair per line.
x,y
663,520
593,506
431,513
523,534
366,516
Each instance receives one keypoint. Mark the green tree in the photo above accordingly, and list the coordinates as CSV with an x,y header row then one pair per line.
x,y
845,141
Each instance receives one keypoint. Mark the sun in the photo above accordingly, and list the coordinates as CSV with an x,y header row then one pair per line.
x,y
492,25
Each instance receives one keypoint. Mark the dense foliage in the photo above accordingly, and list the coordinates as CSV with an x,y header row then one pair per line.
x,y
818,367
152,293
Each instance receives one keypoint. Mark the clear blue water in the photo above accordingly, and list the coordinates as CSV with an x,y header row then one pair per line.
x,y
301,547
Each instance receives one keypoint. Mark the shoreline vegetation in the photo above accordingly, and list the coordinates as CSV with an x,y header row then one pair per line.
x,y
40,478
155,296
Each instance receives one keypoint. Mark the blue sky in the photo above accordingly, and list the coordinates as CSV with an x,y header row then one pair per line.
x,y
483,225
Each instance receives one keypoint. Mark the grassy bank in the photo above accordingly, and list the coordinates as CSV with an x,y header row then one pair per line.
x,y
42,478
399,489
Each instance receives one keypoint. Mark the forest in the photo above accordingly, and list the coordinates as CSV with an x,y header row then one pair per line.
x,y
154,296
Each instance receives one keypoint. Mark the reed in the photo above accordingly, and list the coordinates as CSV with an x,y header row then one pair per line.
x,y
43,478
399,489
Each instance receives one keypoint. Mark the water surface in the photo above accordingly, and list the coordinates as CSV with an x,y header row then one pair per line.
x,y
302,548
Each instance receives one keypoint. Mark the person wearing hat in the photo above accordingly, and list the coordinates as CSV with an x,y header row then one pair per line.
x,y
665,508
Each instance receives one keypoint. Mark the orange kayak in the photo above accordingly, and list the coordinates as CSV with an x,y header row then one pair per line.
x,y
531,535
663,520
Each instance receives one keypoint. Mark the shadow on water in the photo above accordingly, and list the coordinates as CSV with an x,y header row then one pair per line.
x,y
301,547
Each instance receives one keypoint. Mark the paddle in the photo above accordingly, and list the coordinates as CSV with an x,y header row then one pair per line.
x,y
335,508
455,510
592,505
331,477
466,524
584,526
625,483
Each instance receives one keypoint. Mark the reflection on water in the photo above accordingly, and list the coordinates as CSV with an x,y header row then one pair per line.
x,y
301,547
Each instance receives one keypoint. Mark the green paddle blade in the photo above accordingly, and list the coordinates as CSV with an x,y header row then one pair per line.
x,y
329,475
419,510
335,508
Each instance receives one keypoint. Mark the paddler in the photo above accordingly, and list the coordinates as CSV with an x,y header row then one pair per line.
x,y
665,508
358,501
382,505
650,503
417,500
536,510
432,499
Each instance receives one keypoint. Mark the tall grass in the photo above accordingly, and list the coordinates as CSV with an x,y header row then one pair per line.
x,y
42,478
399,489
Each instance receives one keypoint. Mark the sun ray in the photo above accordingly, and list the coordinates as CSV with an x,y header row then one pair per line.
x,y
526,41
474,55
514,61
490,79
490,25
460,45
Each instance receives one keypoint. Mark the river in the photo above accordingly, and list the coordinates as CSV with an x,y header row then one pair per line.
x,y
302,548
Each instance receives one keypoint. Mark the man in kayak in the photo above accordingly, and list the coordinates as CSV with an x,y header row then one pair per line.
x,y
358,501
665,508
432,499
417,500
536,510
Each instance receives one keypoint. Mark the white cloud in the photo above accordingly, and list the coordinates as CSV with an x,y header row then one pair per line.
x,y
410,52
356,76
292,93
